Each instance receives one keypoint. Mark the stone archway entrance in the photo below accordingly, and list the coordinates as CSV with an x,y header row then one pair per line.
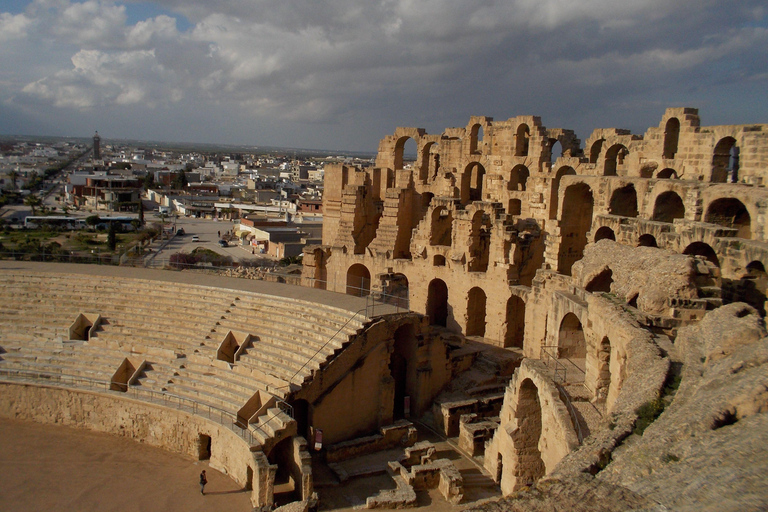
x,y
437,303
571,342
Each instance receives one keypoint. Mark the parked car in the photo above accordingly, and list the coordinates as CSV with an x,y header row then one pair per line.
x,y
180,232
223,243
195,238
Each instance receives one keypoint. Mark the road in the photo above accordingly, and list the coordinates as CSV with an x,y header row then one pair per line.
x,y
209,233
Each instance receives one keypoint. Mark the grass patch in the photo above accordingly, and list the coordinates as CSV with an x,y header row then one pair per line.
x,y
647,414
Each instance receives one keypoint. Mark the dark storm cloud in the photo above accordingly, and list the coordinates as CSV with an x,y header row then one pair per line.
x,y
344,73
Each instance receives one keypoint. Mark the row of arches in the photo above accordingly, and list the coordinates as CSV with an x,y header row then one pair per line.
x,y
439,311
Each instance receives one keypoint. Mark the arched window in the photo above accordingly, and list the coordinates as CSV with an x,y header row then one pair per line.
x,y
571,343
594,151
522,140
667,174
574,226
515,318
358,280
671,136
723,161
518,177
405,153
614,157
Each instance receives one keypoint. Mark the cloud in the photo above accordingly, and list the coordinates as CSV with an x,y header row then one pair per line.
x,y
13,26
358,66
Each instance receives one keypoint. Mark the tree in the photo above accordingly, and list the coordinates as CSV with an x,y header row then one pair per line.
x,y
112,236
149,181
179,180
14,176
92,220
33,202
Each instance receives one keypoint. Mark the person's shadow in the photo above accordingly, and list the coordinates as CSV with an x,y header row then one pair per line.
x,y
236,491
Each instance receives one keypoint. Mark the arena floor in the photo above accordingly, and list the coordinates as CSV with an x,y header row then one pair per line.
x,y
45,467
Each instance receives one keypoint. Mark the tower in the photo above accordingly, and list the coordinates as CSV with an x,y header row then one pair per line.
x,y
96,147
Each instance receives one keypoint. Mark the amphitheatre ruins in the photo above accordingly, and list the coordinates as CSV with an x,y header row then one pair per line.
x,y
582,320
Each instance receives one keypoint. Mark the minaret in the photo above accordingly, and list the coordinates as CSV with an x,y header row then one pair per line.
x,y
96,147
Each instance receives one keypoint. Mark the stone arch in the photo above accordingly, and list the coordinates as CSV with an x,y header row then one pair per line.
x,y
614,157
647,240
358,280
442,227
563,171
555,150
476,135
400,149
522,140
518,177
667,174
437,302
476,306
603,383
480,242
525,439
603,233
601,282
703,249
595,150
574,226
429,162
724,162
668,207
515,320
571,342
321,269
624,201
731,213
472,183
671,137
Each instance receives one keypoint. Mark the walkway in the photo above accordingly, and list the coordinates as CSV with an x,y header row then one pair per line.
x,y
192,277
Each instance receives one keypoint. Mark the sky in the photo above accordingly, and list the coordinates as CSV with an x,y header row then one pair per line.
x,y
342,74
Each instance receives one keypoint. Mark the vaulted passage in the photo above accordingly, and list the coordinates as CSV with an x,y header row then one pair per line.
x,y
703,249
731,213
601,282
518,178
605,233
647,240
437,302
576,221
476,301
563,171
624,202
472,183
358,280
529,465
480,242
514,335
571,342
668,207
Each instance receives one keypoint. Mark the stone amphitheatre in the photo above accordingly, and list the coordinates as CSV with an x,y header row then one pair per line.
x,y
582,321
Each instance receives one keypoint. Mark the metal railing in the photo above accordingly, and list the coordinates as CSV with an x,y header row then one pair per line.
x,y
571,411
210,412
549,356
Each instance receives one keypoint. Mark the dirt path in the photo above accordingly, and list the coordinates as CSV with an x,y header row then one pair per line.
x,y
56,468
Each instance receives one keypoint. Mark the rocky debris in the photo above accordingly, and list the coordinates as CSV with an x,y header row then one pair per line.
x,y
577,494
650,275
709,448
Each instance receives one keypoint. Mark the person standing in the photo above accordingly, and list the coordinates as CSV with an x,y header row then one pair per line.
x,y
203,481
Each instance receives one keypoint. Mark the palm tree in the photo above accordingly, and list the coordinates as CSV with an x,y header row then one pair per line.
x,y
33,202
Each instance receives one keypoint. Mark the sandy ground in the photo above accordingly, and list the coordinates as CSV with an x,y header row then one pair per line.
x,y
56,468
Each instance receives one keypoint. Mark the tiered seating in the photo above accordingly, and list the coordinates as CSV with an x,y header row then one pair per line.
x,y
175,328
289,333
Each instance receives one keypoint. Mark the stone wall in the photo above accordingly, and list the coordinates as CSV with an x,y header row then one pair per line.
x,y
167,428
